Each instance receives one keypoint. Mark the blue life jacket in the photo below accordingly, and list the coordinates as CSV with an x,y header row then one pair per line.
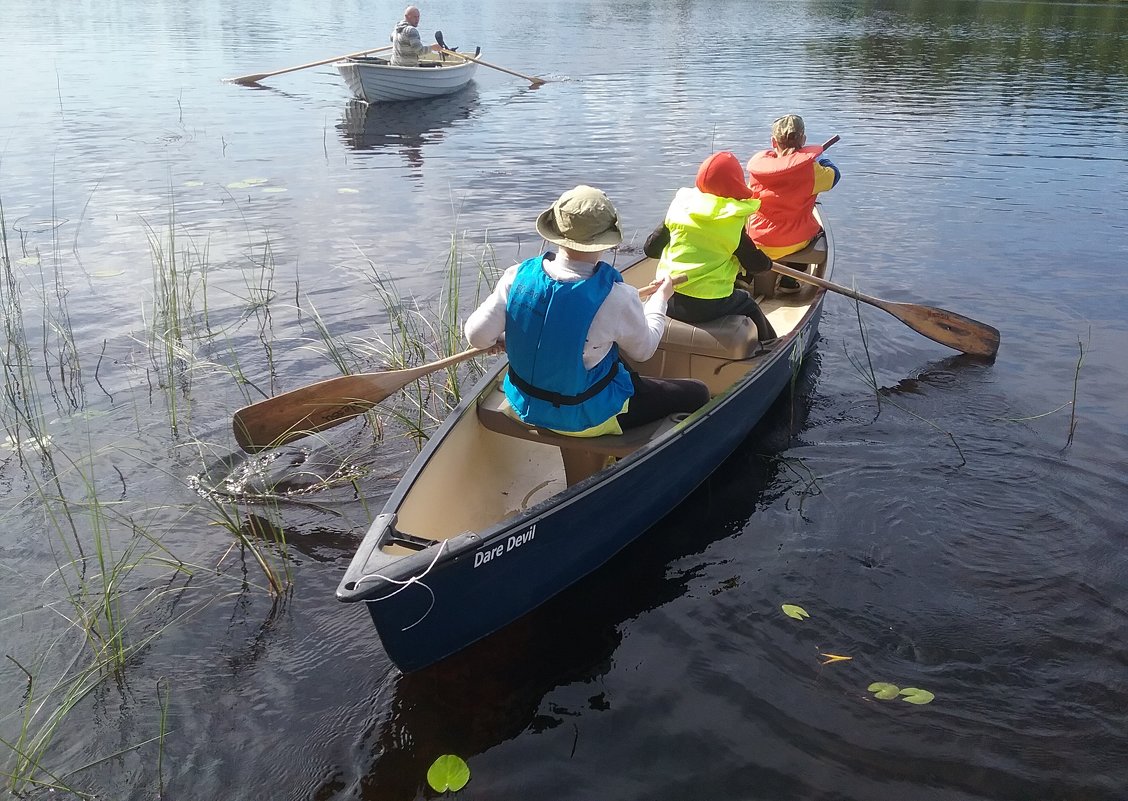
x,y
546,326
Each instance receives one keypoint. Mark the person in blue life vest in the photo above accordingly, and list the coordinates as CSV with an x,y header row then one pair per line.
x,y
564,318
703,239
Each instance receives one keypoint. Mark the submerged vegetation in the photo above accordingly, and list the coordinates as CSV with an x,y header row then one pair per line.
x,y
124,513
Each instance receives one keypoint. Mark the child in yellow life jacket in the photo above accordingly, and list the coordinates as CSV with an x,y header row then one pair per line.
x,y
787,179
703,238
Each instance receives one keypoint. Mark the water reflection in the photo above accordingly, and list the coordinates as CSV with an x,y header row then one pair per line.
x,y
405,126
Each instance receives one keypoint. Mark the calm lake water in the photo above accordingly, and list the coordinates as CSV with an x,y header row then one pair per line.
x,y
946,533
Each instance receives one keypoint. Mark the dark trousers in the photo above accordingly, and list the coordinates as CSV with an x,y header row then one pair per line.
x,y
701,310
655,398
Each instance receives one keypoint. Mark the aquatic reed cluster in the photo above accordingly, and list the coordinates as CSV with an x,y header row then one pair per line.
x,y
116,500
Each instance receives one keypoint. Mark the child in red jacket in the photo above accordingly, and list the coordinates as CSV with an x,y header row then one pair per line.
x,y
787,180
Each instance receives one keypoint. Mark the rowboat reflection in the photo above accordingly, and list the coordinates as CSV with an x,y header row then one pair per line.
x,y
407,126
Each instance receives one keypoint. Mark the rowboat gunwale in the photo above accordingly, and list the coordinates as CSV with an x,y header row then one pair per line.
x,y
374,80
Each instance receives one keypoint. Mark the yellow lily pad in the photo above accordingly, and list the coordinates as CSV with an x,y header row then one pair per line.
x,y
448,772
884,690
797,612
915,695
246,183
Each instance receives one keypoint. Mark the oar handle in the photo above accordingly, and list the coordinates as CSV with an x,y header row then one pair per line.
x,y
534,81
807,278
830,141
648,290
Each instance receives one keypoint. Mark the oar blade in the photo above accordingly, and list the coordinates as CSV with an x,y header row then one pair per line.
x,y
293,415
948,328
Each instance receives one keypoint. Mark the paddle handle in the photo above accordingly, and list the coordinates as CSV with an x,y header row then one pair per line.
x,y
830,141
799,275
534,81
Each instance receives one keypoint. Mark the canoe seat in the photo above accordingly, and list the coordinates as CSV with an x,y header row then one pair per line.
x,y
815,253
582,456
730,337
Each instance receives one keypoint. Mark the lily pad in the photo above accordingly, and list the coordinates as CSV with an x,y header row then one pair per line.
x,y
884,690
344,190
107,273
448,772
247,183
797,612
193,183
273,190
915,695
28,261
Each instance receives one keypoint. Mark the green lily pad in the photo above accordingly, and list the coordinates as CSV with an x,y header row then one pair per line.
x,y
344,190
915,695
448,772
884,690
28,261
247,183
797,612
273,190
107,273
193,183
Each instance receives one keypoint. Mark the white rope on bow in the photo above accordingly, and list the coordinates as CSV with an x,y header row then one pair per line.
x,y
405,584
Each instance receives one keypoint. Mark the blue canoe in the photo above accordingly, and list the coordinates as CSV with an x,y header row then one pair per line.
x,y
493,517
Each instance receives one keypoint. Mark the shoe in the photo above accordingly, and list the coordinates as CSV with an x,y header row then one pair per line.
x,y
767,345
788,286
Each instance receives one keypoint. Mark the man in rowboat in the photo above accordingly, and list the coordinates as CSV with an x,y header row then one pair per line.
x,y
703,239
407,44
564,317
787,179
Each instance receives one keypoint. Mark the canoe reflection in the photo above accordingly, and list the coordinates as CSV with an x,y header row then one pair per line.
x,y
406,126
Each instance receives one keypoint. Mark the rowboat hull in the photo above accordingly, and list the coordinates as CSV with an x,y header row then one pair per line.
x,y
374,80
476,578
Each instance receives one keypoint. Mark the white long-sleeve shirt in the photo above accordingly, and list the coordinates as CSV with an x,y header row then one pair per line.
x,y
623,319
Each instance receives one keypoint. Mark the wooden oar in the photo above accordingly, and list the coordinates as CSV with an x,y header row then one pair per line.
x,y
947,328
301,412
534,81
258,76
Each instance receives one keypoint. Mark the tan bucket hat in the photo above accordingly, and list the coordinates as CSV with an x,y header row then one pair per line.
x,y
581,219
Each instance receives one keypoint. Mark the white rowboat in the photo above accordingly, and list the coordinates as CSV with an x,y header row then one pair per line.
x,y
373,79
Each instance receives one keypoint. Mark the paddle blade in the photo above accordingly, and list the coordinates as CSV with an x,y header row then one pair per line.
x,y
948,328
293,415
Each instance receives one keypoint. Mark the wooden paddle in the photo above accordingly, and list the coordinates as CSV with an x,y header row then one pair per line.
x,y
307,410
443,49
947,328
301,412
258,76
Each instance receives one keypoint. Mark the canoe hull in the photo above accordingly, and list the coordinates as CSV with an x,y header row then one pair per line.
x,y
430,605
377,82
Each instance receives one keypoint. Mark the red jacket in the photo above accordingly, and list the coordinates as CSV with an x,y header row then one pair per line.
x,y
785,186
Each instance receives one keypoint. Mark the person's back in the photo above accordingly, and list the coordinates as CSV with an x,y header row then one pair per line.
x,y
787,179
407,45
564,318
703,239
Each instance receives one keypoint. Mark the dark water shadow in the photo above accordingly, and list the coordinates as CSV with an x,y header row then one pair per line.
x,y
945,372
492,691
405,126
